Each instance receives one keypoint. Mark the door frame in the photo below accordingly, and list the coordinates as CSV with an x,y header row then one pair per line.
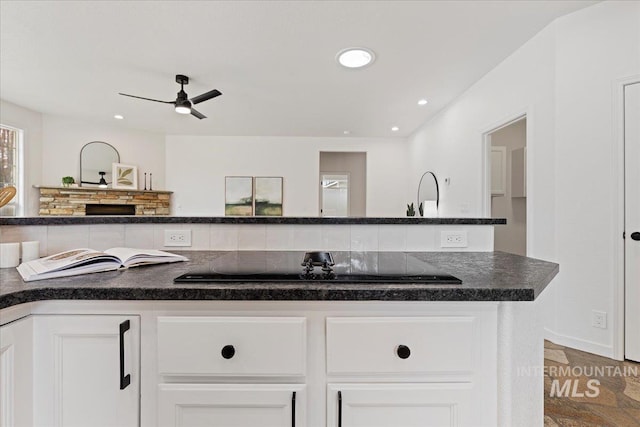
x,y
618,212
485,178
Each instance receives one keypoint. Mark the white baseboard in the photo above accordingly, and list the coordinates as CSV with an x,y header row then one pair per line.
x,y
579,344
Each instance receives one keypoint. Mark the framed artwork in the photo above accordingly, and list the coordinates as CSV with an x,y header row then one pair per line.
x,y
268,196
125,177
238,196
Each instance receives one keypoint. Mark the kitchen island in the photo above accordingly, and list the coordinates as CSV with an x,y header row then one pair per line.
x,y
318,353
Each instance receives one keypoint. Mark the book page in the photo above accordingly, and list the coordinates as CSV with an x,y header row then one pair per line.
x,y
131,256
69,259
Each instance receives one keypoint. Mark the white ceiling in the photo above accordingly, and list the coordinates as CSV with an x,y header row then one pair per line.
x,y
274,61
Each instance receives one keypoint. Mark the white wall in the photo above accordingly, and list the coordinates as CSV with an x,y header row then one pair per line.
x,y
63,138
197,165
31,123
563,79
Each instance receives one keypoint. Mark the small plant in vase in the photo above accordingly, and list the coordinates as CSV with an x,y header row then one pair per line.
x,y
67,181
411,211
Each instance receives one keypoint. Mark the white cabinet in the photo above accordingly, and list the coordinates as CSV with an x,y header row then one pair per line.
x,y
231,346
498,171
229,405
519,172
432,367
86,370
16,380
210,355
401,405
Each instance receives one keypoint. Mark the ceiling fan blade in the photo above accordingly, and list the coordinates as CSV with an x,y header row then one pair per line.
x,y
205,96
197,114
147,99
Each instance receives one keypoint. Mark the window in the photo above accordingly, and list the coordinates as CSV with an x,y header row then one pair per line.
x,y
10,167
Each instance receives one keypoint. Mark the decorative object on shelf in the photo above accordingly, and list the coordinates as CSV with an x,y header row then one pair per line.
x,y
150,181
411,211
421,209
6,194
67,181
268,196
238,196
428,195
145,181
125,177
97,156
103,182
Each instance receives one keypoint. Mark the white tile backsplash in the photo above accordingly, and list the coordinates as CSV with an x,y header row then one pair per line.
x,y
280,237
232,237
307,237
364,237
139,236
64,237
252,237
105,236
392,238
422,238
223,237
336,237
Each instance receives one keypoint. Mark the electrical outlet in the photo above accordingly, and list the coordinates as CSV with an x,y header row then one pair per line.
x,y
177,237
453,239
599,319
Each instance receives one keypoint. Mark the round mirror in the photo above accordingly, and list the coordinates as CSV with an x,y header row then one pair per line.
x,y
428,194
95,163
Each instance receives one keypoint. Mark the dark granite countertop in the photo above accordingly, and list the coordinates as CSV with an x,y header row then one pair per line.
x,y
486,276
143,219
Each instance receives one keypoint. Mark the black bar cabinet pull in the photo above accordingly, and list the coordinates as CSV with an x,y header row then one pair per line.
x,y
339,409
125,380
635,235
293,409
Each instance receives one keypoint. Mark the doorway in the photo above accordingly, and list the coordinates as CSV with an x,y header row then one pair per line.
x,y
343,184
508,171
631,140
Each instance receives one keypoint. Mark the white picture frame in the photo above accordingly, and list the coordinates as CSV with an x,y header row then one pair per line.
x,y
125,177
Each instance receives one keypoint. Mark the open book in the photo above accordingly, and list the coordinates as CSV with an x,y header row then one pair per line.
x,y
83,261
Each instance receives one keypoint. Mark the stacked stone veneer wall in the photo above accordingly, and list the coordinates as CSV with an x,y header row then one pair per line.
x,y
73,201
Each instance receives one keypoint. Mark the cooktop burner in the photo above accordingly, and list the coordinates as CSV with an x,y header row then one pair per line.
x,y
334,267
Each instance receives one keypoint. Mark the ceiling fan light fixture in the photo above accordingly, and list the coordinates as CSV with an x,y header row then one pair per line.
x,y
355,57
183,107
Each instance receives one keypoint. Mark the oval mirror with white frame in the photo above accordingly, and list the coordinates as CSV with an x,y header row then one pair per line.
x,y
429,194
96,158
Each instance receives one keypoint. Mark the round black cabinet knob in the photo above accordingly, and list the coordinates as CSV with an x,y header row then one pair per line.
x,y
403,352
228,351
635,235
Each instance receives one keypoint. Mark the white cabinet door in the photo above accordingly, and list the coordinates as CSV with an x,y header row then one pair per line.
x,y
87,370
498,171
229,405
402,405
16,380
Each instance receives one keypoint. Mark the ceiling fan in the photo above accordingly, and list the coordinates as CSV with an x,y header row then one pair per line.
x,y
182,103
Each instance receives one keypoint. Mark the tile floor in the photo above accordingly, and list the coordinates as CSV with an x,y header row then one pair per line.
x,y
585,390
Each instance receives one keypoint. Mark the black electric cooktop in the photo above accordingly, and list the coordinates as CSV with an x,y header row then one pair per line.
x,y
329,267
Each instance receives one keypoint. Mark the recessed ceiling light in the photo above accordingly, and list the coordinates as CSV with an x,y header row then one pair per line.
x,y
395,128
118,117
347,132
355,57
422,102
